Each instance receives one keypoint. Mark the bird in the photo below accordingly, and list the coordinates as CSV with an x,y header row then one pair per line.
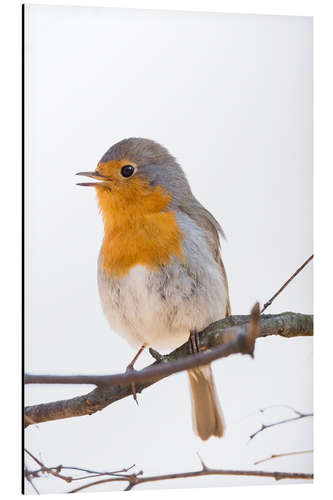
x,y
161,278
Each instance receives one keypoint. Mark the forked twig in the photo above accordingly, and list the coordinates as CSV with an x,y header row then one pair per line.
x,y
299,416
54,471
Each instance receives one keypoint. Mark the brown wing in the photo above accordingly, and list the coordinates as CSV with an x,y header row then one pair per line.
x,y
212,228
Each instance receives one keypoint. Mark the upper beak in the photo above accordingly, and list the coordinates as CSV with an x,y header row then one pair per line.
x,y
93,175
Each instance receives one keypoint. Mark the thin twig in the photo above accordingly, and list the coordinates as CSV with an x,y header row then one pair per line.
x,y
80,469
280,405
269,302
120,472
279,455
299,416
263,410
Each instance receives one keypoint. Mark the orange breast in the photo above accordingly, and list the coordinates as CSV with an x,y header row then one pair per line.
x,y
138,228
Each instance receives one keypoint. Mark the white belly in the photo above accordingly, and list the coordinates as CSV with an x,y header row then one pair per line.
x,y
160,309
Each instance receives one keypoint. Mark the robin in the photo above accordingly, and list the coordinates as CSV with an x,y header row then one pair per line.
x,y
161,278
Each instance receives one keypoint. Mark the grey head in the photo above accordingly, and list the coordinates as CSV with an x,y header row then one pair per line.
x,y
142,151
156,164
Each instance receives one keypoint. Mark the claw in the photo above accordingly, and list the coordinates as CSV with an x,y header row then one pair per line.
x,y
194,342
130,368
134,393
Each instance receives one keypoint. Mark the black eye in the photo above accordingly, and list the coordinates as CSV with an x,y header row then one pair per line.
x,y
127,170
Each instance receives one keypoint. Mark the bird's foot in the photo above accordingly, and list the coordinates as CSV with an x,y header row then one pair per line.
x,y
194,342
130,369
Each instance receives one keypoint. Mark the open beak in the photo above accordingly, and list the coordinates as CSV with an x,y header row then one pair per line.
x,y
93,175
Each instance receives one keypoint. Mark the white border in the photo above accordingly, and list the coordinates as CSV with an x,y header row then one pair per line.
x,y
10,95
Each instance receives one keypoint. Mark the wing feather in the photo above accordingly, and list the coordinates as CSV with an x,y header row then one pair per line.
x,y
207,222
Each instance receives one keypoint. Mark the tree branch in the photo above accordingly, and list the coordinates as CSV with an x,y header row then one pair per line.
x,y
234,334
135,479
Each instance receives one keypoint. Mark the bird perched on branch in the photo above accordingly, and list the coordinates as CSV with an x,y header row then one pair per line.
x,y
161,278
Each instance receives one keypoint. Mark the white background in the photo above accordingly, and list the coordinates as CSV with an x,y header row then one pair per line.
x,y
231,97
321,267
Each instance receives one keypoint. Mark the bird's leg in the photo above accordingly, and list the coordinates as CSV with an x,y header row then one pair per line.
x,y
131,365
194,342
130,368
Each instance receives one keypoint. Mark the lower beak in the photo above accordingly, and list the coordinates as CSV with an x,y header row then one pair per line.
x,y
93,175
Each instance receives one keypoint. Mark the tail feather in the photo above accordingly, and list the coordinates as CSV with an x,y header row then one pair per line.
x,y
207,415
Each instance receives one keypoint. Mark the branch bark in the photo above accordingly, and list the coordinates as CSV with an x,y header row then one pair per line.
x,y
235,334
